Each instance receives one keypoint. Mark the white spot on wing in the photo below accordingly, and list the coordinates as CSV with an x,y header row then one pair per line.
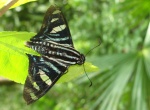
x,y
56,12
33,96
53,20
58,28
36,86
44,77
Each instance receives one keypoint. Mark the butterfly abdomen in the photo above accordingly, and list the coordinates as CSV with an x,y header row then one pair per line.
x,y
55,50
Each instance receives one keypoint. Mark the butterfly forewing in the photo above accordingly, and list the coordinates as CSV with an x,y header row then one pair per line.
x,y
54,28
53,42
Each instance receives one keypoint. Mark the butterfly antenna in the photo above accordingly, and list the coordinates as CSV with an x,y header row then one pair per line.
x,y
87,77
84,66
93,48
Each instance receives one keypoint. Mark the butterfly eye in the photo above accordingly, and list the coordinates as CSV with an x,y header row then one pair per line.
x,y
81,60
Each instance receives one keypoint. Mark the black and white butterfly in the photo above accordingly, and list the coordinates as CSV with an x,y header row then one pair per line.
x,y
54,43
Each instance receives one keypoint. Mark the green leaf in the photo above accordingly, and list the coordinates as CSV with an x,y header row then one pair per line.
x,y
14,62
114,81
147,37
20,2
121,72
138,92
77,70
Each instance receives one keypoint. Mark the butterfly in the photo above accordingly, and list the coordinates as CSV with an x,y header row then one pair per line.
x,y
54,44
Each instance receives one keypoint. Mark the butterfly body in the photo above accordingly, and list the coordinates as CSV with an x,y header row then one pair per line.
x,y
57,51
54,44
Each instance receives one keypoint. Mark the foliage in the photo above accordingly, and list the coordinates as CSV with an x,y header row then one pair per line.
x,y
123,80
4,2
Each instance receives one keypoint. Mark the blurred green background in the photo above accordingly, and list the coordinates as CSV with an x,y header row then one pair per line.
x,y
123,82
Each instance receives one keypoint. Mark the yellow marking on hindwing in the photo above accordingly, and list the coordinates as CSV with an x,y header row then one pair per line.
x,y
44,77
33,96
36,86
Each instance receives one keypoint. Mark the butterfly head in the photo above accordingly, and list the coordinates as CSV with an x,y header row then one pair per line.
x,y
81,60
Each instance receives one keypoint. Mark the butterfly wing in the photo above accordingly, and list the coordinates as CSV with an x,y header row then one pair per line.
x,y
43,74
54,28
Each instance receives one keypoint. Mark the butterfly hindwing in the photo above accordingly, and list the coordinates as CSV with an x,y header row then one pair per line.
x,y
43,73
54,28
